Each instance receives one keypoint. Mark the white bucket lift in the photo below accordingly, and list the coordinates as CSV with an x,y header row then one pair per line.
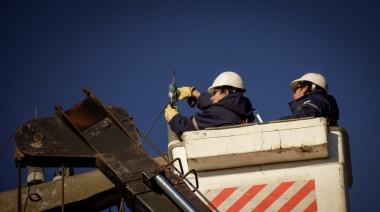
x,y
290,165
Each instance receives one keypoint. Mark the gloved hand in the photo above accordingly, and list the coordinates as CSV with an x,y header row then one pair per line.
x,y
170,112
184,92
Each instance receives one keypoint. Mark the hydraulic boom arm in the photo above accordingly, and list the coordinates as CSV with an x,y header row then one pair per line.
x,y
90,134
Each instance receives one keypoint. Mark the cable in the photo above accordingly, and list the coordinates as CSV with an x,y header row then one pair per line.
x,y
63,189
121,206
152,145
155,120
19,206
2,149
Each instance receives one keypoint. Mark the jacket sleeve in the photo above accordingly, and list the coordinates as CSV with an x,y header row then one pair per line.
x,y
179,124
212,116
216,116
306,109
204,100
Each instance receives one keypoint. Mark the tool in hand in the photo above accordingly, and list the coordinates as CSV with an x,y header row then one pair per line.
x,y
174,94
172,91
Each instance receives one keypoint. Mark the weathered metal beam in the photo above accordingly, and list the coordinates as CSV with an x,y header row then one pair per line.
x,y
90,191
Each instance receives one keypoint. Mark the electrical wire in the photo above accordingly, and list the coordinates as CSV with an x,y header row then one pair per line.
x,y
19,191
154,122
121,206
2,149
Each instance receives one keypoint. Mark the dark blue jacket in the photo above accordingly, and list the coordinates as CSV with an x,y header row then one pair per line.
x,y
233,109
315,104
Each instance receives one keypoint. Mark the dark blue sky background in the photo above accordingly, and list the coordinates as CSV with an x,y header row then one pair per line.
x,y
126,51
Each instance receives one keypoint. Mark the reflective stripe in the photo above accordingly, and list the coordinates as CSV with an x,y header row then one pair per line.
x,y
282,196
331,119
195,123
314,106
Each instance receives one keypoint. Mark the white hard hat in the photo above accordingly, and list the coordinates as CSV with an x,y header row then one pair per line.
x,y
310,77
227,78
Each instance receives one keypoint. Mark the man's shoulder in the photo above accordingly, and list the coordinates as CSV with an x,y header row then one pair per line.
x,y
318,98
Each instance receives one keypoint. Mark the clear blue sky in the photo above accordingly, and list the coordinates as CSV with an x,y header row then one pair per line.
x,y
126,51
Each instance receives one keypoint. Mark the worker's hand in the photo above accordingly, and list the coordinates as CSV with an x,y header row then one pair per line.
x,y
170,112
184,92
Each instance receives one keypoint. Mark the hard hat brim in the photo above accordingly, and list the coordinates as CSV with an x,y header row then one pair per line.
x,y
294,83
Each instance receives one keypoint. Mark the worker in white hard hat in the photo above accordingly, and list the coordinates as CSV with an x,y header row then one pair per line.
x,y
310,99
223,105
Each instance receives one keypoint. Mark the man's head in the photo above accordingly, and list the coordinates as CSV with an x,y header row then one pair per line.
x,y
226,83
308,83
